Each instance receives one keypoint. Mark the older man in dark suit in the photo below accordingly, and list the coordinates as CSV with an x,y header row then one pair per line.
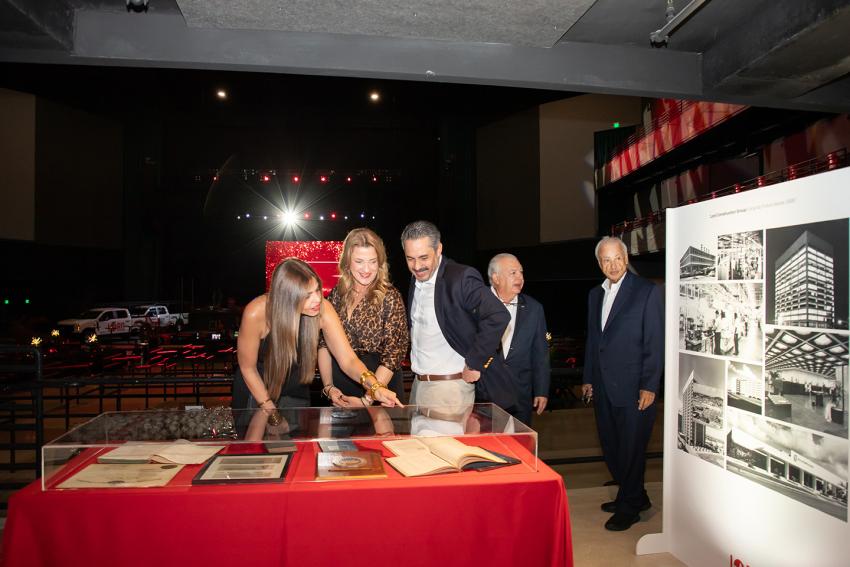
x,y
524,345
624,360
456,325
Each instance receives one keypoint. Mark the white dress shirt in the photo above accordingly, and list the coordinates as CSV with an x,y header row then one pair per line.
x,y
611,291
430,353
508,336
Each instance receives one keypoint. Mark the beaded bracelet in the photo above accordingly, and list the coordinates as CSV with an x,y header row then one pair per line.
x,y
275,418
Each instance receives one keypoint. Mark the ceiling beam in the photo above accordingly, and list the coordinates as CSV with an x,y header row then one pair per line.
x,y
164,40
782,49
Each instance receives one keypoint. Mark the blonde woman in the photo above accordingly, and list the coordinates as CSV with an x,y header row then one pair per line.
x,y
278,340
373,316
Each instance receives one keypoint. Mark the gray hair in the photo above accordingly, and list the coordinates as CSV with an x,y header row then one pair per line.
x,y
606,240
494,262
421,229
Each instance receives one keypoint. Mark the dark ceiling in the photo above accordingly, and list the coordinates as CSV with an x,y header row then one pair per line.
x,y
778,53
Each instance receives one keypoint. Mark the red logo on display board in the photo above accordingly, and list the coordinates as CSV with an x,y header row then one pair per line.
x,y
737,562
322,255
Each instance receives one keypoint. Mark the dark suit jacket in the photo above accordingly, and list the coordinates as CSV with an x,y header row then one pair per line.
x,y
472,320
528,357
629,355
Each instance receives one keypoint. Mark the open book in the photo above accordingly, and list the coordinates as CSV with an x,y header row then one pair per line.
x,y
435,455
180,452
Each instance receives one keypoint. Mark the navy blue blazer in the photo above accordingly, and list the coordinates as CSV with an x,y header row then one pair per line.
x,y
628,356
472,321
528,355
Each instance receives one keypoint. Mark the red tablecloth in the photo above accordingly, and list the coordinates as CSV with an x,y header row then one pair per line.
x,y
510,516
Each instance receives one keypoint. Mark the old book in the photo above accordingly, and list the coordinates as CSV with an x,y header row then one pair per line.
x,y
280,447
347,465
180,452
337,445
437,455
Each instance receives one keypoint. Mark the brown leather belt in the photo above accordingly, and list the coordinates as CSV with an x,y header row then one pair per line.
x,y
438,377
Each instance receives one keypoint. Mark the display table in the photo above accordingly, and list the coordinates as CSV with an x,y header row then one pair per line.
x,y
509,516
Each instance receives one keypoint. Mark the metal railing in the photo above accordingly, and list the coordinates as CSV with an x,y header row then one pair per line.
x,y
833,160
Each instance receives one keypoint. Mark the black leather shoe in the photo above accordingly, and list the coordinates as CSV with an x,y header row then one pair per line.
x,y
611,507
621,521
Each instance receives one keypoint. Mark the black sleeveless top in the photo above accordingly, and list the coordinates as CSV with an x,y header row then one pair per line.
x,y
292,387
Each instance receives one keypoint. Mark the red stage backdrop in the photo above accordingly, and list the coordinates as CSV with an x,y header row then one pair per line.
x,y
322,255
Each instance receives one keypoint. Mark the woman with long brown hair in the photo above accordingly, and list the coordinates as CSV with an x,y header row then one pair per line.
x,y
278,340
373,317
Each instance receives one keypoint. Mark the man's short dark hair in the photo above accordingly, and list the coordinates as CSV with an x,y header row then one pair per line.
x,y
421,229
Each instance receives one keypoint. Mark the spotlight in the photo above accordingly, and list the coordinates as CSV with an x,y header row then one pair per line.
x,y
375,96
321,217
307,216
247,215
266,178
289,218
221,94
295,179
137,5
348,179
333,216
323,179
362,215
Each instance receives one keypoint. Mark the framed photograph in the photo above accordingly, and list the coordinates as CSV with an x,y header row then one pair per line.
x,y
247,468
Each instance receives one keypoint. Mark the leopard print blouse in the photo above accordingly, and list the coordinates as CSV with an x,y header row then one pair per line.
x,y
375,328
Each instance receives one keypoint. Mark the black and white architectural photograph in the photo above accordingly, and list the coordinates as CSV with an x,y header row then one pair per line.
x,y
800,464
700,414
807,275
722,319
744,386
740,256
806,378
699,262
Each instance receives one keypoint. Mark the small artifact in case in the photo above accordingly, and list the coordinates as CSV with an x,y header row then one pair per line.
x,y
346,465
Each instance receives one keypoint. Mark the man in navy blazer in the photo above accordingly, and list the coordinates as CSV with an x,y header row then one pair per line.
x,y
624,360
524,345
456,325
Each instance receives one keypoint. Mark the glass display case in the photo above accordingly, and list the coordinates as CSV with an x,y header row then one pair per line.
x,y
171,448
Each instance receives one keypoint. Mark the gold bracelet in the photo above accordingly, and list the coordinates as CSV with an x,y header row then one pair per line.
x,y
260,405
375,387
364,375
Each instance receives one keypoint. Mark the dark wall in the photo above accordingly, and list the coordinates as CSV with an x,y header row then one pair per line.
x,y
508,184
79,177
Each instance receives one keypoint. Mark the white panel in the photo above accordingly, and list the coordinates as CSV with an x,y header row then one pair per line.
x,y
713,516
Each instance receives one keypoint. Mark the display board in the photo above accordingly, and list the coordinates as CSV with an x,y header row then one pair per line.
x,y
322,255
756,437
